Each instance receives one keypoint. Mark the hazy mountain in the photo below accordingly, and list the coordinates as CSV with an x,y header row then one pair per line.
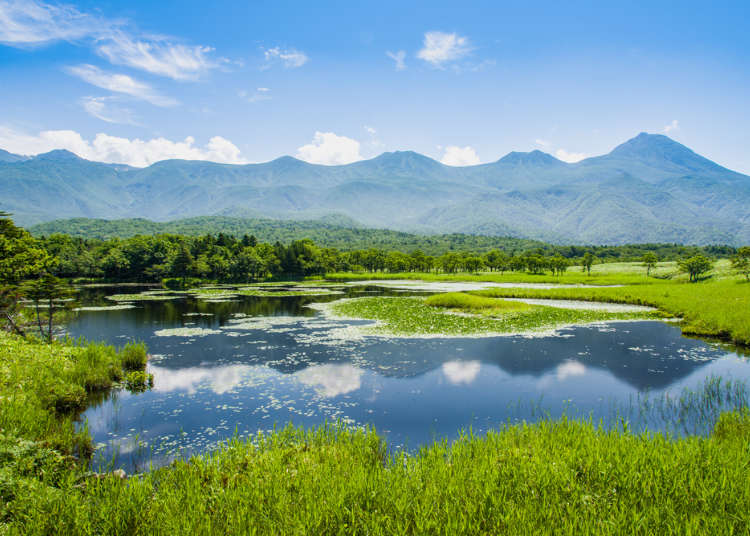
x,y
649,188
5,156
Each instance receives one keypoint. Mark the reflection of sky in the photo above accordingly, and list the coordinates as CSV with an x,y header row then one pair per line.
x,y
219,379
331,380
458,372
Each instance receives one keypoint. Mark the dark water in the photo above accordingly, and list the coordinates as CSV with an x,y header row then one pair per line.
x,y
257,363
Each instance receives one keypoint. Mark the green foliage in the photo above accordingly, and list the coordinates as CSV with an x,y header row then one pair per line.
x,y
138,381
741,261
649,261
133,356
696,266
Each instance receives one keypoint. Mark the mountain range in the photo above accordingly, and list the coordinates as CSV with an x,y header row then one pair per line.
x,y
648,189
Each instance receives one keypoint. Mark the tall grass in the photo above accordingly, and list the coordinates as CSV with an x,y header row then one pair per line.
x,y
552,477
709,308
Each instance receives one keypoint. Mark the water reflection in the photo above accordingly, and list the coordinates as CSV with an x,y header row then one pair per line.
x,y
250,364
331,380
458,372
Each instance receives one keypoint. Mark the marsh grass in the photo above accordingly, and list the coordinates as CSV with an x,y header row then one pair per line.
x,y
411,316
718,308
471,303
551,477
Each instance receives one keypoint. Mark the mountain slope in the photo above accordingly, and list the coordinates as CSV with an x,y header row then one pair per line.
x,y
649,188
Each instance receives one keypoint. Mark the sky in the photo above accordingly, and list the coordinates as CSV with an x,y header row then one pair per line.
x,y
335,82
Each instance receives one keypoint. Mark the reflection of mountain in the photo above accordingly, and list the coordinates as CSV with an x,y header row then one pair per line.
x,y
646,355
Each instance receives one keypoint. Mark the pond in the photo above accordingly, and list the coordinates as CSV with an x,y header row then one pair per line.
x,y
237,365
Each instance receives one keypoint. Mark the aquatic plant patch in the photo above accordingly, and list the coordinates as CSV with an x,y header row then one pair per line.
x,y
412,316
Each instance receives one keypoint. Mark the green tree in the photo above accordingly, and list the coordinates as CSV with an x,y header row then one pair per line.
x,y
559,264
649,261
473,264
741,261
696,266
587,262
49,292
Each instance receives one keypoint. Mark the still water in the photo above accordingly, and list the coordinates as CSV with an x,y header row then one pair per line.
x,y
251,364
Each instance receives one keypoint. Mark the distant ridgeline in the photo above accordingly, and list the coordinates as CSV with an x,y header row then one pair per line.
x,y
649,189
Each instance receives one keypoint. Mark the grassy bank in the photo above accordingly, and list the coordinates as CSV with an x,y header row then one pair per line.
x,y
465,315
551,477
43,387
719,308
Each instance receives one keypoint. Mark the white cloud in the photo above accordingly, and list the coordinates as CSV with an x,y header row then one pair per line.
x,y
260,94
158,56
33,23
371,131
399,58
331,380
30,23
674,125
112,149
290,58
329,149
458,372
541,142
440,47
460,156
570,157
120,83
107,109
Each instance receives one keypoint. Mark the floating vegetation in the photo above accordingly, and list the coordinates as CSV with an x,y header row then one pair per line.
x,y
412,316
144,296
106,307
212,294
186,332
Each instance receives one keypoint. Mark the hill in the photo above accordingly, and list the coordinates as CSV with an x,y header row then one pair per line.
x,y
648,189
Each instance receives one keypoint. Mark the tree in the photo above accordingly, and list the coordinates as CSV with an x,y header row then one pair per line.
x,y
182,264
741,261
473,264
559,264
587,261
51,290
649,261
696,266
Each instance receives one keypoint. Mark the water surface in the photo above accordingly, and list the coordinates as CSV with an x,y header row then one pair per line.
x,y
250,364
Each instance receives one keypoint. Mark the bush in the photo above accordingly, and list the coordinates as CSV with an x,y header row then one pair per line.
x,y
139,381
133,356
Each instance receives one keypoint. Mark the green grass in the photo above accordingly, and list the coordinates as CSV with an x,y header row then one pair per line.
x,y
472,303
413,316
42,389
713,308
553,477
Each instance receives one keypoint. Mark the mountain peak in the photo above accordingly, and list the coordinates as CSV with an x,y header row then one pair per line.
x,y
645,144
535,157
59,155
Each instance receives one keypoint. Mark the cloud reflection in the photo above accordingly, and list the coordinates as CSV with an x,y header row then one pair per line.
x,y
219,379
331,380
458,372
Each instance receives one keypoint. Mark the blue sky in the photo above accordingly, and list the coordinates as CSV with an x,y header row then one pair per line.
x,y
333,82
